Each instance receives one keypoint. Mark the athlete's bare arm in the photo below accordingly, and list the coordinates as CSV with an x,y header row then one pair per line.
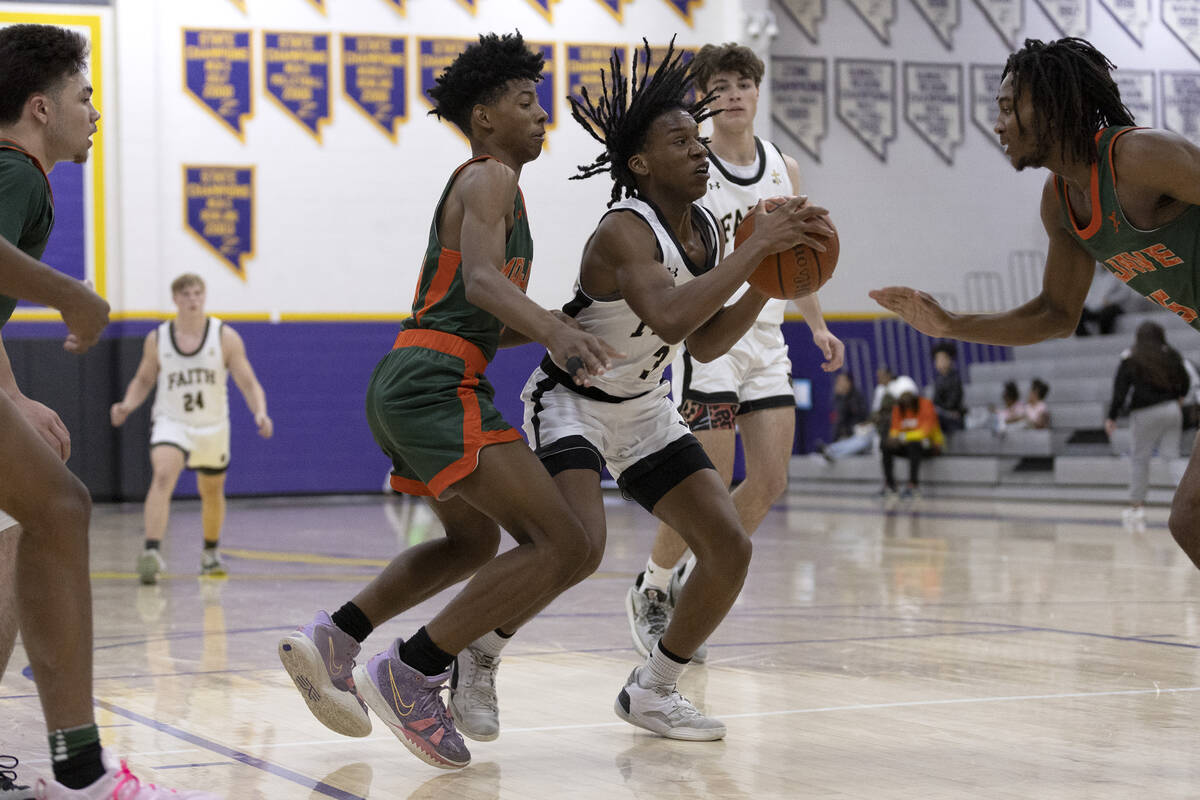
x,y
622,258
722,330
42,418
830,346
84,311
1053,313
475,222
234,351
143,381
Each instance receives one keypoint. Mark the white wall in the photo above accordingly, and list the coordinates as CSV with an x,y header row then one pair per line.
x,y
917,220
342,223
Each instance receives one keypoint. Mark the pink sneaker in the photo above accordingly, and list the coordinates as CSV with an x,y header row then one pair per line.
x,y
320,658
118,783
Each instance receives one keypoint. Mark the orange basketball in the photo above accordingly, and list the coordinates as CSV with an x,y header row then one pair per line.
x,y
793,273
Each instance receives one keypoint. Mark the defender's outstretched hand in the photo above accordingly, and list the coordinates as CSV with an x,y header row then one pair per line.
x,y
916,308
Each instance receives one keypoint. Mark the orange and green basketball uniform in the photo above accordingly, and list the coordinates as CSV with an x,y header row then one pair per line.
x,y
1159,264
26,207
429,405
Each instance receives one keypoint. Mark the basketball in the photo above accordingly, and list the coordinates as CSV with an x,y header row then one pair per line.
x,y
793,273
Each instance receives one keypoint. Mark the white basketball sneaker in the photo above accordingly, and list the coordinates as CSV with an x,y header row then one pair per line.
x,y
118,783
663,710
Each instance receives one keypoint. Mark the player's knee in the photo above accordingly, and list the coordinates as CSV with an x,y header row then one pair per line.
x,y
67,511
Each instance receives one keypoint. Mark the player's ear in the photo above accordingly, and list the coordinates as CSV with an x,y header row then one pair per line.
x,y
637,165
480,118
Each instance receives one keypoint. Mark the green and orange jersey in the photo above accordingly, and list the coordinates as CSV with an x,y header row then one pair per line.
x,y
440,302
1161,263
26,207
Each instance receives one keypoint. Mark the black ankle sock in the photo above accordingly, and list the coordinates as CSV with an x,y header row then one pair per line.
x,y
672,656
423,655
504,635
353,621
81,769
151,544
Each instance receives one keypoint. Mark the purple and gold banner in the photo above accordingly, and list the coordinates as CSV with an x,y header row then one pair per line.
x,y
241,5
547,87
375,78
398,5
218,208
433,56
584,62
216,72
543,8
684,8
319,4
470,5
656,55
297,76
615,7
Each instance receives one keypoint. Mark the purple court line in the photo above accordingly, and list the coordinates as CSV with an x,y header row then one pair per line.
x,y
229,752
204,764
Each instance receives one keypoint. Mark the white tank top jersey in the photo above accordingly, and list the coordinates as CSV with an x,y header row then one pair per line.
x,y
646,355
734,190
192,387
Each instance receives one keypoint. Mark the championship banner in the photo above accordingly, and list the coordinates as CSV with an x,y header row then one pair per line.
x,y
806,14
684,8
218,208
433,56
319,4
216,72
866,101
615,7
241,5
943,16
1182,18
800,100
1132,15
1181,104
584,62
375,79
547,87
933,100
985,87
297,76
879,16
1138,94
543,8
1007,17
1069,17
398,5
657,52
470,5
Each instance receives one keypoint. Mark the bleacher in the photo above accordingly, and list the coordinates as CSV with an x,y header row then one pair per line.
x,y
1073,459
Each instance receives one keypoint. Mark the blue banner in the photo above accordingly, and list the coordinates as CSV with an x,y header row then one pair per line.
x,y
656,56
433,56
297,76
543,8
375,78
584,62
216,72
615,7
547,87
218,207
398,5
684,8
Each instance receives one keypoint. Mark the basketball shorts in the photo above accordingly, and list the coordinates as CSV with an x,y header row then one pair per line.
x,y
642,440
206,447
431,410
754,374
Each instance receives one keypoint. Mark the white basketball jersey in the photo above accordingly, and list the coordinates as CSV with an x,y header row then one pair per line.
x,y
646,355
734,190
192,387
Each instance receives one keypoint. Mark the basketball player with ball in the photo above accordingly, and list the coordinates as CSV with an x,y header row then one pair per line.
x,y
651,277
748,388
1124,196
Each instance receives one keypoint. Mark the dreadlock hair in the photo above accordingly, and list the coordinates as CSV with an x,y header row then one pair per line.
x,y
480,74
34,59
626,109
1073,93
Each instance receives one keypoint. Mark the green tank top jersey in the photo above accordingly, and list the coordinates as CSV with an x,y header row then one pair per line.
x,y
1161,263
26,208
441,300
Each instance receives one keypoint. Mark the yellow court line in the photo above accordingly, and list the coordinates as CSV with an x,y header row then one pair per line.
x,y
305,558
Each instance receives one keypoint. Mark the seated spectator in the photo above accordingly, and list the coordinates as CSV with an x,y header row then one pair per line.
x,y
848,406
1105,302
915,434
948,388
1011,412
864,434
1037,414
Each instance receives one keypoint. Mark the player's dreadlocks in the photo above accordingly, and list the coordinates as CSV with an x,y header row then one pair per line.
x,y
626,110
479,75
1073,93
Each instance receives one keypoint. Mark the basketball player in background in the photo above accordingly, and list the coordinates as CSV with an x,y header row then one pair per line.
x,y
1124,196
431,410
749,388
649,278
47,117
190,359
